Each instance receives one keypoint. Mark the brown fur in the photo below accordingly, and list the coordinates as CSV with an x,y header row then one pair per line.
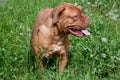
x,y
50,32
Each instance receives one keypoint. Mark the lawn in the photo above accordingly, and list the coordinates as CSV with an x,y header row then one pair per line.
x,y
95,57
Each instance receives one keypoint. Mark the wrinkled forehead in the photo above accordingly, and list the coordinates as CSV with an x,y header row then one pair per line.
x,y
73,10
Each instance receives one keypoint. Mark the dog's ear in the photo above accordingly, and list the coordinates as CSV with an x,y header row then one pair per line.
x,y
56,14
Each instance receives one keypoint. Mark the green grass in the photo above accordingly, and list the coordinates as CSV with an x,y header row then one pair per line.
x,y
95,57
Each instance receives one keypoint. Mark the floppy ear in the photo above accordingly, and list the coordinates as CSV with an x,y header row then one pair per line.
x,y
56,14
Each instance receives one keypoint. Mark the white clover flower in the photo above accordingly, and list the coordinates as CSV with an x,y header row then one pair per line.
x,y
85,10
88,3
101,22
10,8
104,39
76,4
21,34
103,55
112,57
113,14
115,17
94,5
99,3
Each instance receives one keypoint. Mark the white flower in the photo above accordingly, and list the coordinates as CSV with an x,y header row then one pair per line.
x,y
21,34
88,3
103,55
76,4
115,17
94,5
86,10
104,39
113,14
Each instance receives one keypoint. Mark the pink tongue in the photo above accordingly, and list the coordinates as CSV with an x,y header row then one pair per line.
x,y
86,32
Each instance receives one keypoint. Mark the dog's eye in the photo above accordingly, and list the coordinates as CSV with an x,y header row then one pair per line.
x,y
75,17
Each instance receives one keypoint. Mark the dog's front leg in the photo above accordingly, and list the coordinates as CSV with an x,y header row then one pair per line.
x,y
63,61
39,60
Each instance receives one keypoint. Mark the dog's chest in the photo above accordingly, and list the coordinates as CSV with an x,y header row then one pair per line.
x,y
50,42
53,49
47,36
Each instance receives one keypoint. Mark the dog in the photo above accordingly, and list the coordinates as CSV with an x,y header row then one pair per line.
x,y
50,34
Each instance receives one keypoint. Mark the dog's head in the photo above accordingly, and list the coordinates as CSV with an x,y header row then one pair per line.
x,y
70,19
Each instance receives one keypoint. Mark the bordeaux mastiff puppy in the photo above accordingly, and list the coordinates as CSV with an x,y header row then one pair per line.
x,y
50,34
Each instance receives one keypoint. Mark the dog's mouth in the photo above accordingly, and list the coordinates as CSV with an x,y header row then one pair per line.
x,y
78,32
